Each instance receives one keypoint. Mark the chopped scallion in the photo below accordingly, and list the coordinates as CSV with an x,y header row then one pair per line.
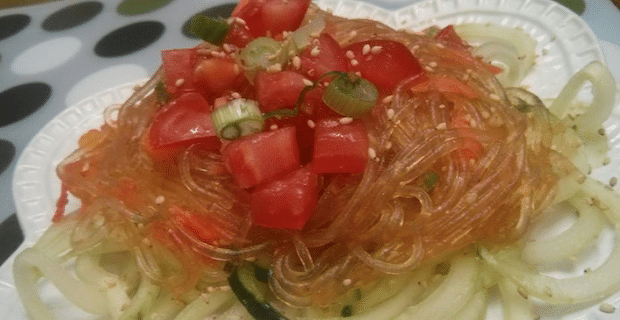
x,y
237,118
208,29
350,95
262,53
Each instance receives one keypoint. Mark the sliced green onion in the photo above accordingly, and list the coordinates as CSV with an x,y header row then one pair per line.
x,y
262,53
209,29
237,118
350,95
429,180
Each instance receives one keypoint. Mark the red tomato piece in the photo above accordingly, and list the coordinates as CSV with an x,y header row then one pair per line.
x,y
238,35
278,90
200,225
331,57
388,67
261,157
265,17
179,64
183,121
286,203
449,37
340,148
215,76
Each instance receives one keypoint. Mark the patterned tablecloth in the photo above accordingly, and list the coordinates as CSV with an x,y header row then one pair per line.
x,y
55,54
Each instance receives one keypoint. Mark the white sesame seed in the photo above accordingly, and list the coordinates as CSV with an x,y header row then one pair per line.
x,y
390,113
388,145
607,308
366,49
179,82
439,45
388,99
311,124
296,62
432,64
276,67
345,120
441,126
442,106
350,54
235,95
160,200
315,51
308,83
357,73
347,282
354,62
485,114
493,96
429,69
273,127
227,47
377,159
376,49
372,153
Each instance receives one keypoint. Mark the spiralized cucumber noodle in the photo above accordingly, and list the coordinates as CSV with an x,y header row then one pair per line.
x,y
379,243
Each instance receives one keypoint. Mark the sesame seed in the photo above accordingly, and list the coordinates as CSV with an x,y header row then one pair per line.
x,y
441,126
235,95
311,124
160,200
613,181
179,82
227,47
377,159
607,308
439,45
485,114
350,54
274,68
442,106
357,73
432,64
372,153
376,49
315,51
210,289
429,69
354,62
273,127
296,62
308,83
493,96
390,113
388,99
366,49
347,282
388,145
345,120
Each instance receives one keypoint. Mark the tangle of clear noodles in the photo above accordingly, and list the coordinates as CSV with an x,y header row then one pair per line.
x,y
385,221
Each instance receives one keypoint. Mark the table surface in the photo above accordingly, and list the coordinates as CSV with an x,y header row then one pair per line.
x,y
53,55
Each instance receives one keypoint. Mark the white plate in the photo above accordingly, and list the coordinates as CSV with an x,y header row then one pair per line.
x,y
566,40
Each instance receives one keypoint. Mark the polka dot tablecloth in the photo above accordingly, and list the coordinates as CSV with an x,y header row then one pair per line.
x,y
55,54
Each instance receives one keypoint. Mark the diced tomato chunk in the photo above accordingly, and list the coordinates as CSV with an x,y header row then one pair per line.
x,y
264,17
286,203
183,121
330,57
261,157
278,90
238,35
449,37
340,148
387,63
200,225
178,65
215,76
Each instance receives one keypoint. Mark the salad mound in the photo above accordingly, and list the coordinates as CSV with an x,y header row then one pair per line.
x,y
302,165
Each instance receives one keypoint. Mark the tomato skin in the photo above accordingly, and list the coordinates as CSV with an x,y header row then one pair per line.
x,y
215,76
386,69
286,203
261,157
183,121
278,90
179,64
449,37
340,148
264,17
331,57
